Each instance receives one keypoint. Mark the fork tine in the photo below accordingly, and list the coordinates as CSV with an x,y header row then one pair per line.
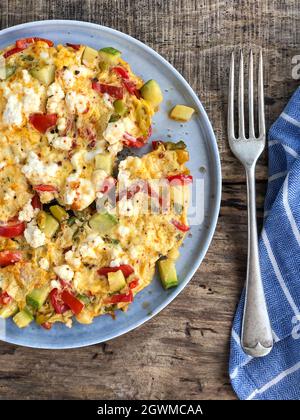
x,y
241,98
250,97
261,115
230,115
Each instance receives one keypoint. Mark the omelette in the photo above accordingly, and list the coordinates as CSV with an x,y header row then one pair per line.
x,y
81,231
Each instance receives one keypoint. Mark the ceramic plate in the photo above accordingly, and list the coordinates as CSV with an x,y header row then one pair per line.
x,y
204,166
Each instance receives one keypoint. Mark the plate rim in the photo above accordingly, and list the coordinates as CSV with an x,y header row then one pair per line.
x,y
217,184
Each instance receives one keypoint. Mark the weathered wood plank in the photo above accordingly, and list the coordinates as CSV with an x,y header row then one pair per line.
x,y
182,352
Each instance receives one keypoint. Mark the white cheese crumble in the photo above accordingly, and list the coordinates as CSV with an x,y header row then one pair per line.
x,y
89,247
2,165
59,142
115,131
55,284
33,235
72,260
61,124
68,78
76,102
12,114
44,264
32,100
28,212
55,103
123,230
37,169
81,190
117,262
64,272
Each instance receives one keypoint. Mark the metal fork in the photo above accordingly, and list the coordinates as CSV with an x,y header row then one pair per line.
x,y
257,340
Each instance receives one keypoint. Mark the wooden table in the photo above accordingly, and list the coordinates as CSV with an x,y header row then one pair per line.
x,y
183,351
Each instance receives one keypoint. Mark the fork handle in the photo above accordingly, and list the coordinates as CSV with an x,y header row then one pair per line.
x,y
257,339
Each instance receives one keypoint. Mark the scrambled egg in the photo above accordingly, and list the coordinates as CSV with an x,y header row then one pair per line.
x,y
79,234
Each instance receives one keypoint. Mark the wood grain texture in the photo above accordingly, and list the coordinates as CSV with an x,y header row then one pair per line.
x,y
182,352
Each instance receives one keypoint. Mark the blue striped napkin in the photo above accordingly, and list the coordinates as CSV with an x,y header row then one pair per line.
x,y
277,376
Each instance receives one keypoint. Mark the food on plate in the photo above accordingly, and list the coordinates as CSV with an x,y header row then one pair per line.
x,y
81,231
182,113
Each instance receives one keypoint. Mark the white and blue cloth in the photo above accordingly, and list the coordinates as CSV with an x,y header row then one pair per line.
x,y
277,376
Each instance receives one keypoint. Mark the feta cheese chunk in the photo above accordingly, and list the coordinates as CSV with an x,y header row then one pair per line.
x,y
12,114
72,260
38,171
44,264
28,212
76,102
64,272
34,236
68,78
79,192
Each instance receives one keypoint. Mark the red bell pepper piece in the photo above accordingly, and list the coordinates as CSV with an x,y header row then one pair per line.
x,y
12,229
123,297
131,141
180,226
156,144
180,179
74,46
115,91
10,257
56,301
126,270
133,284
24,42
12,51
5,299
72,302
120,71
42,122
47,325
44,188
36,202
130,86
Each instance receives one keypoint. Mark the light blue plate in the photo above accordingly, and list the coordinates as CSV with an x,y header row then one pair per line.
x,y
198,135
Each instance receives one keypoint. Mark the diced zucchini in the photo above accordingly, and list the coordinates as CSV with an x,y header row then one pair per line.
x,y
107,60
45,74
116,281
6,72
71,221
151,92
84,299
181,113
59,213
102,222
111,51
89,57
37,297
167,272
120,107
114,118
180,145
47,223
105,162
23,318
8,310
